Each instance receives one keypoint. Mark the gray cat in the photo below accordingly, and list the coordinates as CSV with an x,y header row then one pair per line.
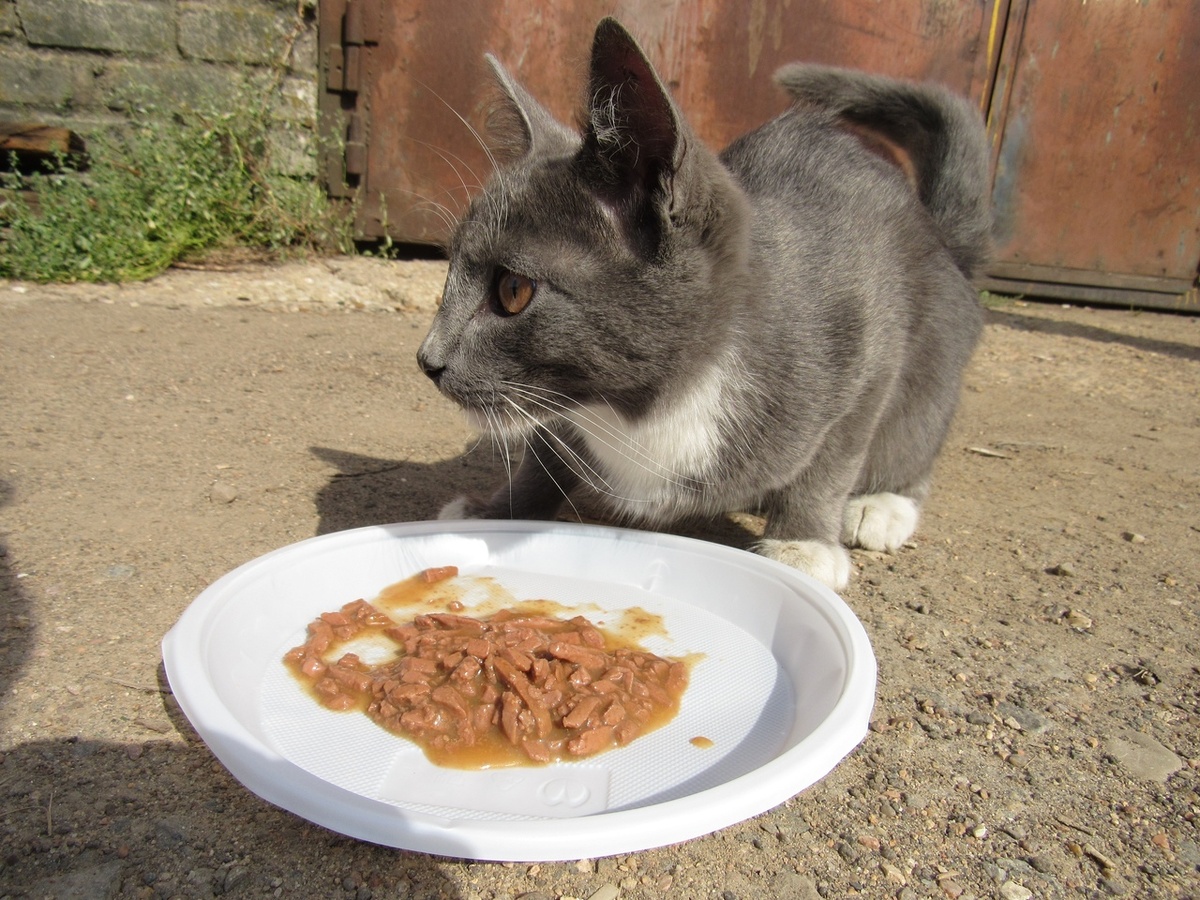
x,y
780,328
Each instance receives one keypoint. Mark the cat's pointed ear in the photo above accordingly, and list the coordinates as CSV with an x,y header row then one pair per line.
x,y
522,125
634,134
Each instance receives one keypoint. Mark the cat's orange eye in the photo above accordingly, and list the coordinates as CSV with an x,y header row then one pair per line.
x,y
514,291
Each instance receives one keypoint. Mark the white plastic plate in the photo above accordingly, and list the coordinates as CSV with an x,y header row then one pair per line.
x,y
782,683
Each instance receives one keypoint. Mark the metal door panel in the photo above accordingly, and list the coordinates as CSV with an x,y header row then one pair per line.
x,y
1092,108
428,87
1097,177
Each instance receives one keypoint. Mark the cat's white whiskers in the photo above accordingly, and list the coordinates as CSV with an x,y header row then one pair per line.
x,y
610,437
566,462
566,494
470,128
572,460
479,440
450,159
443,212
501,444
596,426
497,171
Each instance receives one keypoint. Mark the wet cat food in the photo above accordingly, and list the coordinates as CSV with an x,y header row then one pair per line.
x,y
510,688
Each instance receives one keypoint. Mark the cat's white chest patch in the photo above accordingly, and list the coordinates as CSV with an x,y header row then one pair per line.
x,y
663,458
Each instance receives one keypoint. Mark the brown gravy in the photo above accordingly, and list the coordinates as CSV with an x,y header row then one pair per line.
x,y
518,686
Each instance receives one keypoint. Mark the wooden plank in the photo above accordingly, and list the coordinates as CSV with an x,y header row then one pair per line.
x,y
1185,301
1115,280
38,140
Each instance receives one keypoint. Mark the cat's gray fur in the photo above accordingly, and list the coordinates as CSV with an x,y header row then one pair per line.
x,y
781,328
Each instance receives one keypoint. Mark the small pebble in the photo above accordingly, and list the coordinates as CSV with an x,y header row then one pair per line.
x,y
1077,620
221,492
1019,718
1015,831
846,852
1010,890
1142,756
235,878
1114,886
1104,862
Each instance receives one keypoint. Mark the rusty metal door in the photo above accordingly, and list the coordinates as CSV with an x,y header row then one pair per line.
x,y
406,78
405,95
1097,172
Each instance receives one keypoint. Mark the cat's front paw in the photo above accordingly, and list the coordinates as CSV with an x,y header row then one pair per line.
x,y
879,521
463,508
828,563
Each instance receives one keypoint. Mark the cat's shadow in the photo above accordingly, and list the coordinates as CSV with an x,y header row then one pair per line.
x,y
368,490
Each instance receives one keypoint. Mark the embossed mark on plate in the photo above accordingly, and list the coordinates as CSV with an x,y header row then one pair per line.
x,y
557,791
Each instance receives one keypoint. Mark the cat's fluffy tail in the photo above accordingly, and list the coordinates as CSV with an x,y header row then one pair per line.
x,y
939,132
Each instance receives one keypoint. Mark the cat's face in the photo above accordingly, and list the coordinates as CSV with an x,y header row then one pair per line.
x,y
546,307
580,275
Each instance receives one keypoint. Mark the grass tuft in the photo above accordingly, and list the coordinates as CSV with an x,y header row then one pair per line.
x,y
169,187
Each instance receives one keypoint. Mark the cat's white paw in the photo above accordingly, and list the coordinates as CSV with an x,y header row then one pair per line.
x,y
828,563
456,509
879,521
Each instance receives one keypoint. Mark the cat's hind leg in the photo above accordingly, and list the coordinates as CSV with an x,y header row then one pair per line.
x,y
882,521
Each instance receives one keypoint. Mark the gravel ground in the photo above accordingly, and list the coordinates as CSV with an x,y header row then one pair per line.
x,y
1036,728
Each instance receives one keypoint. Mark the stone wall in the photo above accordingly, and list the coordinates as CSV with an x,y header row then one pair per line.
x,y
83,64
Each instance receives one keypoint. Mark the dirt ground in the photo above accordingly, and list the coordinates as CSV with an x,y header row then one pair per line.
x,y
1037,727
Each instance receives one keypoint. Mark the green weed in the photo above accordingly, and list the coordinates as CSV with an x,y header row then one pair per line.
x,y
167,188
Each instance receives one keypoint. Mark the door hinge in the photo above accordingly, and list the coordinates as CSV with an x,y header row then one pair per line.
x,y
347,73
360,29
356,145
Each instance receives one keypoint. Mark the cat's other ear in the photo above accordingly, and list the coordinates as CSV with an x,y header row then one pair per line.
x,y
634,136
521,125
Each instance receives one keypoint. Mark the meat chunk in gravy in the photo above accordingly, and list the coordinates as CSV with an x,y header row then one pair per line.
x,y
510,688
